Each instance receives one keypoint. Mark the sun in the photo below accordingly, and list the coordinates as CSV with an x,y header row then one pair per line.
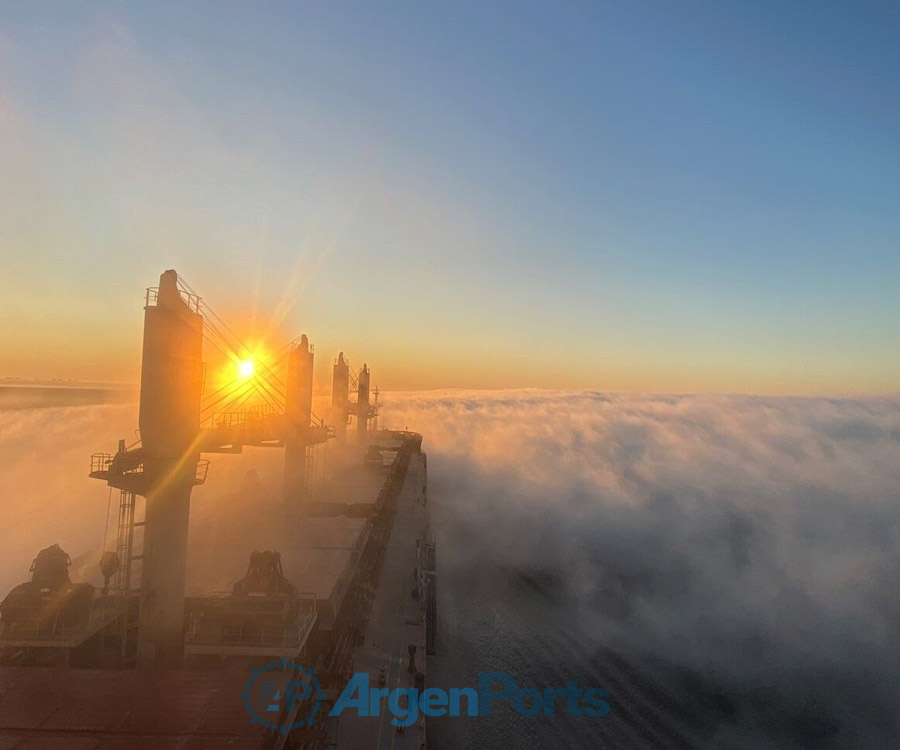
x,y
245,368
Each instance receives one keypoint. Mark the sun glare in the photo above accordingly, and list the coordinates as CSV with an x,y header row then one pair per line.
x,y
245,368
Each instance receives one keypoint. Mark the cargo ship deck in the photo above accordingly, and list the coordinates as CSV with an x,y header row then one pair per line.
x,y
326,557
206,626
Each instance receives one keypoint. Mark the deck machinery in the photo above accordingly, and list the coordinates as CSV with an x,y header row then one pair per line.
x,y
296,583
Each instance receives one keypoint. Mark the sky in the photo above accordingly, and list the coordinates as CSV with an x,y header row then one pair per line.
x,y
691,197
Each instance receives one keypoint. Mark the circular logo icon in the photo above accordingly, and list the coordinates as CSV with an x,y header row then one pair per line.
x,y
283,696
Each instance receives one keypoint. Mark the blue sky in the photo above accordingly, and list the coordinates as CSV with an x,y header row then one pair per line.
x,y
624,196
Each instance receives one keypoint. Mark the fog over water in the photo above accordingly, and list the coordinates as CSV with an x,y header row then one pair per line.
x,y
727,567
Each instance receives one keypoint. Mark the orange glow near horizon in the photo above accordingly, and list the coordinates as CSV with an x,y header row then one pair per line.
x,y
416,358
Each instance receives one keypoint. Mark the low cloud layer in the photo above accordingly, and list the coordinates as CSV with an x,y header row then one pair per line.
x,y
45,493
751,542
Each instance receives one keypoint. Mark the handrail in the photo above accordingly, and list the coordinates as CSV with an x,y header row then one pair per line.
x,y
151,298
100,462
241,417
103,463
103,609
254,635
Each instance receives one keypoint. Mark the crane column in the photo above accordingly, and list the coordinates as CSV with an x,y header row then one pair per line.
x,y
340,391
171,383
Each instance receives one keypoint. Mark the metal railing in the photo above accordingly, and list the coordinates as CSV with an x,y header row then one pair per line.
x,y
151,299
100,462
104,462
241,417
249,636
103,611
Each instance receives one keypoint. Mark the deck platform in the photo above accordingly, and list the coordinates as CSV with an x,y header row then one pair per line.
x,y
397,621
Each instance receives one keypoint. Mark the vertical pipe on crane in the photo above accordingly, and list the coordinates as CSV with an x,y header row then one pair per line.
x,y
298,411
362,403
340,391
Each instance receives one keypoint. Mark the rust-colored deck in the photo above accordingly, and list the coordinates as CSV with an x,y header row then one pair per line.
x,y
88,709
